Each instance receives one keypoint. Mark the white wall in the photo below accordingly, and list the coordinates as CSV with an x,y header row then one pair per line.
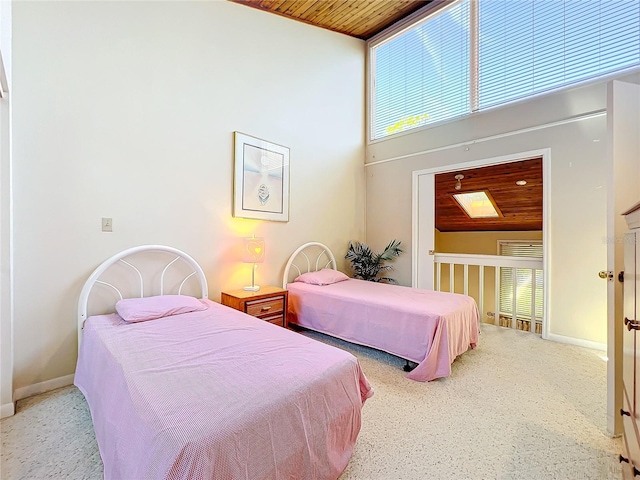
x,y
127,110
578,191
6,326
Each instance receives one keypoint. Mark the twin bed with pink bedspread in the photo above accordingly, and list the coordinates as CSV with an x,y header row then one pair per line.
x,y
215,393
428,328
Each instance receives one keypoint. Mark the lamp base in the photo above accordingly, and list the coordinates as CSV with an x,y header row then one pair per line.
x,y
252,288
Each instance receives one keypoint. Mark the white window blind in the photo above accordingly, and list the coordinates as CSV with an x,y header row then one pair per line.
x,y
422,75
529,46
522,280
524,47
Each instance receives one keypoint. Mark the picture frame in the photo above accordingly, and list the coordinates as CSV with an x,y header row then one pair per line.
x,y
261,179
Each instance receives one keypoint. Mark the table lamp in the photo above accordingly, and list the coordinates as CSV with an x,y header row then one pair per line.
x,y
253,252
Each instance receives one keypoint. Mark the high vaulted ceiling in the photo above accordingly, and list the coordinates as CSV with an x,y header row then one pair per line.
x,y
357,18
521,206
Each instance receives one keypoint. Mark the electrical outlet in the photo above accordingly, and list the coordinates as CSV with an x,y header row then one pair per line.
x,y
107,224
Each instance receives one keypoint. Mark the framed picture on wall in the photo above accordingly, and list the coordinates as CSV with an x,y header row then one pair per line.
x,y
261,179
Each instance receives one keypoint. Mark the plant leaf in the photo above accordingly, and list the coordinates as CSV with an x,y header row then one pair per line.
x,y
366,265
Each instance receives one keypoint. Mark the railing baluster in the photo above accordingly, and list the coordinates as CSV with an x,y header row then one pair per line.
x,y
452,277
497,295
481,291
514,306
466,279
532,326
496,262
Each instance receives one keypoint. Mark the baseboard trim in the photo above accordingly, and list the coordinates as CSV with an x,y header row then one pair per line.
x,y
577,341
7,410
42,387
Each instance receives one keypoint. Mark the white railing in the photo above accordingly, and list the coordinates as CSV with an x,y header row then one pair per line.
x,y
494,262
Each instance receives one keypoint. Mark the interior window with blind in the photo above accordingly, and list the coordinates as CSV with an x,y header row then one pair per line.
x,y
523,281
422,75
529,46
427,72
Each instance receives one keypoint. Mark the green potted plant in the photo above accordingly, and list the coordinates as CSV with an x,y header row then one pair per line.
x,y
367,265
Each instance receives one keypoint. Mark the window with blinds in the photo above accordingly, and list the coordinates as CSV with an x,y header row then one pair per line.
x,y
529,46
523,281
422,75
427,73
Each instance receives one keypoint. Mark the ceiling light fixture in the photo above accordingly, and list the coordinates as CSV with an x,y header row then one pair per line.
x,y
458,182
521,182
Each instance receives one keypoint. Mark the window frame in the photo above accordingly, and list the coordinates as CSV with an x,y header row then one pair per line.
x,y
539,299
423,15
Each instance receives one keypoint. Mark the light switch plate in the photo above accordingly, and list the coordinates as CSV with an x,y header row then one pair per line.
x,y
107,224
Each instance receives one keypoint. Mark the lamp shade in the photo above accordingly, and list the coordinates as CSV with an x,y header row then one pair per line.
x,y
253,250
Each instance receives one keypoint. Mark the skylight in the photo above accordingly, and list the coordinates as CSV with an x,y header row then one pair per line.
x,y
477,204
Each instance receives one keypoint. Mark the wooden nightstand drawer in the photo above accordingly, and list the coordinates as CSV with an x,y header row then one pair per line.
x,y
260,308
275,319
268,303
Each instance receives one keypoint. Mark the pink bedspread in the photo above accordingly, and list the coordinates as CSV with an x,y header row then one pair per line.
x,y
426,327
218,394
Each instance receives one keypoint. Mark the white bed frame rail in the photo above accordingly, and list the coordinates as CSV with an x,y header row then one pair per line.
x,y
120,257
322,254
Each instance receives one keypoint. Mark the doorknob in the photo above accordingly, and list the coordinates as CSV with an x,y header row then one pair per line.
x,y
606,274
631,324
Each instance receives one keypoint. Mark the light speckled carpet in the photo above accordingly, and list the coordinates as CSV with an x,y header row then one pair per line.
x,y
517,407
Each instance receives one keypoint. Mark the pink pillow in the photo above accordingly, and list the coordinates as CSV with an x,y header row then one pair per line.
x,y
150,308
326,276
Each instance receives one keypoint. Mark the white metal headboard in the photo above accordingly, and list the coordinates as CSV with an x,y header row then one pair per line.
x,y
323,259
120,257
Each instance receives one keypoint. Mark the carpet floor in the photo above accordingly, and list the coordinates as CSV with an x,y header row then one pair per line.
x,y
517,407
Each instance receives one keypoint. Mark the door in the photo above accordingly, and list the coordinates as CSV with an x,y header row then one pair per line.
x,y
636,316
424,222
623,125
629,335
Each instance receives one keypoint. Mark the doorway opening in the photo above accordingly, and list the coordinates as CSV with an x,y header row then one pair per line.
x,y
505,221
499,257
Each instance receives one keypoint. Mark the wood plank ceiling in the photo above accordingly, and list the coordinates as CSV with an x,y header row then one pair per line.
x,y
358,18
521,206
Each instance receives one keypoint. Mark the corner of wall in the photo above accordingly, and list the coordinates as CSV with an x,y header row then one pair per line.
x,y
7,410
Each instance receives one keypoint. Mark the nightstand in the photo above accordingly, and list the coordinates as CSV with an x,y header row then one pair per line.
x,y
268,303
